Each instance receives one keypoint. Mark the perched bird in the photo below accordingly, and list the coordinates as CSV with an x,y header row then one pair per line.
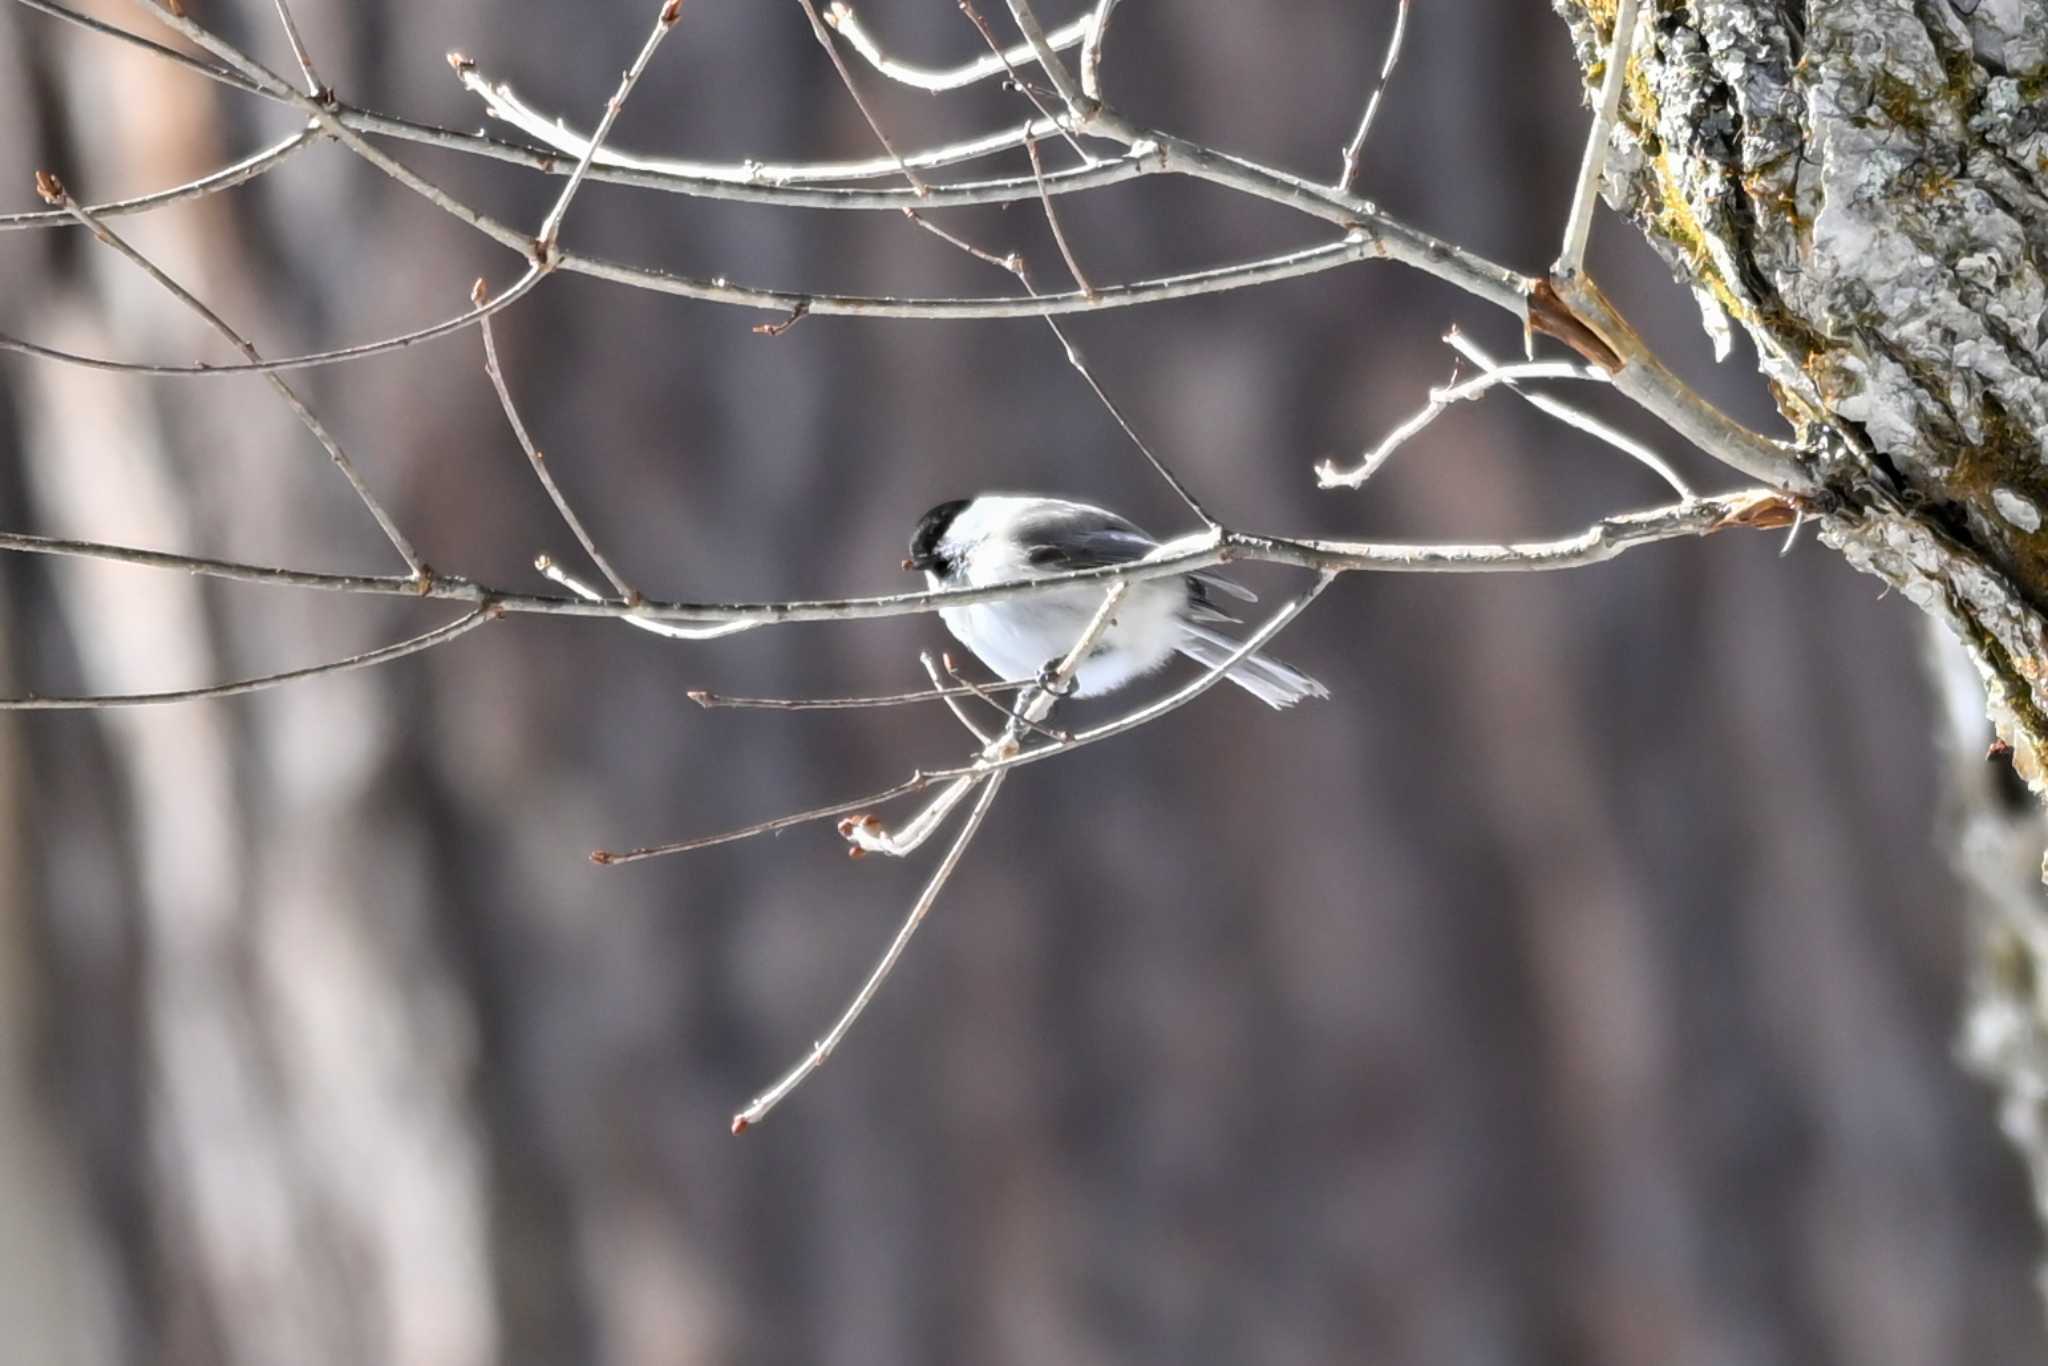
x,y
999,537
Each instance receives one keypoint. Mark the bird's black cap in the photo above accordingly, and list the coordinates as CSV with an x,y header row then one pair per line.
x,y
931,529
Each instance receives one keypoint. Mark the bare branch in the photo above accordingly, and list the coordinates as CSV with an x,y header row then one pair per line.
x,y
867,835
1049,58
53,192
557,574
1755,508
931,669
1348,173
310,360
824,38
712,700
696,177
1022,86
440,635
539,462
315,87
915,783
1052,220
551,226
1171,702
227,177
758,1108
1571,259
842,18
1091,49
1585,422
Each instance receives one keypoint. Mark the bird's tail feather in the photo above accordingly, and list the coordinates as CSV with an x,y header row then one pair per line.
x,y
1264,677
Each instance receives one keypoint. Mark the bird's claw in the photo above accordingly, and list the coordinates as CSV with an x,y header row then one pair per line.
x,y
1049,681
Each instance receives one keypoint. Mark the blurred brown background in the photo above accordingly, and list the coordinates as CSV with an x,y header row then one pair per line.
x,y
1577,986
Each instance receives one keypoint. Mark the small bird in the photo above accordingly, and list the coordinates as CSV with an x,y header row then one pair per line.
x,y
1000,537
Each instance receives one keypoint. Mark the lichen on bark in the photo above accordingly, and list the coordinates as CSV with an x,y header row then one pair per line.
x,y
1863,187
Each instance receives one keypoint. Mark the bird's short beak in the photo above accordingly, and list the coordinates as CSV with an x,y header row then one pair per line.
x,y
909,563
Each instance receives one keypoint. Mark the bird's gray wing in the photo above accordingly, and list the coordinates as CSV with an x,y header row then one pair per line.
x,y
1107,540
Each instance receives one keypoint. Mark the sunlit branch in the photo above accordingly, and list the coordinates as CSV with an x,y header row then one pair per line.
x,y
842,18
1347,174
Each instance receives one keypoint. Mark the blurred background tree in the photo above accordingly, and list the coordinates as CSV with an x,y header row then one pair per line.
x,y
1579,985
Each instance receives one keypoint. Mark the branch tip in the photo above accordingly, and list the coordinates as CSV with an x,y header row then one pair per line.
x,y
601,857
51,189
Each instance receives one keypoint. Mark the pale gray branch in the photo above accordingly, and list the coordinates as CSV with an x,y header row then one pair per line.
x,y
1571,258
440,635
842,18
53,191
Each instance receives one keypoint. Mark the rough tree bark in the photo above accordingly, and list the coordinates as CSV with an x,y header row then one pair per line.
x,y
1864,188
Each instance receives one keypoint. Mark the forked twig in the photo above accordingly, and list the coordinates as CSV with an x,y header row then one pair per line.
x,y
631,613
824,37
1036,706
1573,417
440,635
315,87
53,192
534,457
757,1109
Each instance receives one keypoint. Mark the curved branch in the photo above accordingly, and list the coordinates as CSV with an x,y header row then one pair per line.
x,y
226,178
440,635
840,17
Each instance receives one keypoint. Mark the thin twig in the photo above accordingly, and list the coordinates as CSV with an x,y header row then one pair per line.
x,y
1052,221
1573,417
504,103
1035,708
213,182
1048,58
53,192
310,360
440,635
627,592
975,690
608,857
931,670
1022,86
758,1108
315,87
713,701
551,226
631,600
1152,711
1353,150
842,19
1655,388
1596,544
1578,224
824,37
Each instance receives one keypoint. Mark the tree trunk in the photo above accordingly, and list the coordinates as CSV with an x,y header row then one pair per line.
x,y
1863,186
